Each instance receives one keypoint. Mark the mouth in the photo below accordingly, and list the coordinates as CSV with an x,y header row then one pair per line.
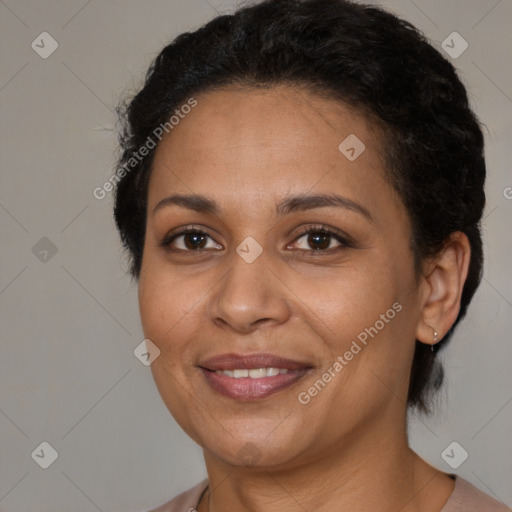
x,y
251,377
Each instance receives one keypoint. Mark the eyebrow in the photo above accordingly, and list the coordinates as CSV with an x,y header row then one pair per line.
x,y
289,204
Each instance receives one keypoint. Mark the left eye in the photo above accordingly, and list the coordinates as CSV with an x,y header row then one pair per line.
x,y
319,240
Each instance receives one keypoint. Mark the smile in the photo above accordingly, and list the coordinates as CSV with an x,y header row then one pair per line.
x,y
251,377
254,373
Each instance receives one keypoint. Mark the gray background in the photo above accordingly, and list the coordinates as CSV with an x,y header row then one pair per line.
x,y
70,324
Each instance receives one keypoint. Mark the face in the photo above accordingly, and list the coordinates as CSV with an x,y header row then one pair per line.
x,y
295,269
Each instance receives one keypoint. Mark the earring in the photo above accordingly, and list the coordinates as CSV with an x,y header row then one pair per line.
x,y
436,334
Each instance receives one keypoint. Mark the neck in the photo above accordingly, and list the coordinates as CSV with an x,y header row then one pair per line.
x,y
368,472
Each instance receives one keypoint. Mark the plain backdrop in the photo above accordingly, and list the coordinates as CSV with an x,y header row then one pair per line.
x,y
69,313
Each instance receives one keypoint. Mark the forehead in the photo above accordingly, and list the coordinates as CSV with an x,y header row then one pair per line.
x,y
259,141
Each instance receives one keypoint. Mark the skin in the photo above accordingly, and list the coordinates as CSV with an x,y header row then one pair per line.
x,y
347,448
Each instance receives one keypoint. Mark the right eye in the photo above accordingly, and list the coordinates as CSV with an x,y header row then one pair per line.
x,y
189,240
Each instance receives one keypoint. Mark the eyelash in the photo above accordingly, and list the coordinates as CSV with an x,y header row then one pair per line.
x,y
321,229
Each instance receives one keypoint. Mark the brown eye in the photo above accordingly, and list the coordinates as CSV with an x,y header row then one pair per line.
x,y
320,240
190,240
194,240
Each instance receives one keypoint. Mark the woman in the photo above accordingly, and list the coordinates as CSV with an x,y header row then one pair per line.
x,y
300,194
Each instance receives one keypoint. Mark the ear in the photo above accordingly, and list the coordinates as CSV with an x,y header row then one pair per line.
x,y
443,283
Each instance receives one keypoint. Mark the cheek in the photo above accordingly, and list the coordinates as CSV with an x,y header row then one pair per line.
x,y
364,315
165,302
168,319
172,306
349,299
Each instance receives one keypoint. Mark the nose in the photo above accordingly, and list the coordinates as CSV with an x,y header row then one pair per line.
x,y
249,296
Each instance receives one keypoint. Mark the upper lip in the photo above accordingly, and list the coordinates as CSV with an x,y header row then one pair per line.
x,y
251,361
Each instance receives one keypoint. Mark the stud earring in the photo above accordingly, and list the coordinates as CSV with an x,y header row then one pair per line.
x,y
436,334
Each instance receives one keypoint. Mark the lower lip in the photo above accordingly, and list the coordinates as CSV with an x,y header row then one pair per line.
x,y
247,388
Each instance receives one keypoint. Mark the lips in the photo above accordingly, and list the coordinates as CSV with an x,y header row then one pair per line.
x,y
251,377
248,362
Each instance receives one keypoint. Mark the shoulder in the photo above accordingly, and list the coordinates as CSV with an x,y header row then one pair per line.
x,y
184,502
467,498
464,498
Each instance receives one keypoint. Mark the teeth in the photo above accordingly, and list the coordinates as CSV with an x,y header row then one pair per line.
x,y
229,373
253,373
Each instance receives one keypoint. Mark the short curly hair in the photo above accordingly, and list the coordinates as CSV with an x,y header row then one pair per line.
x,y
360,55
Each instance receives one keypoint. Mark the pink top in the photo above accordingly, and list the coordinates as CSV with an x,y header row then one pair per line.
x,y
464,498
